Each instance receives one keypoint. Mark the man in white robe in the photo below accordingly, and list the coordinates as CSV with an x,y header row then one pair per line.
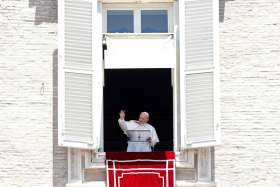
x,y
140,125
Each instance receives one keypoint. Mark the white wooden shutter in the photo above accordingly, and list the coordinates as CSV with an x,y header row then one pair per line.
x,y
79,74
199,73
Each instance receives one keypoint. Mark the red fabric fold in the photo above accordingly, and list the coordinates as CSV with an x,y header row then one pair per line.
x,y
160,155
145,169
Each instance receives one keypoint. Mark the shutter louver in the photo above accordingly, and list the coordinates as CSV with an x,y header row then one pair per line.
x,y
198,34
199,72
77,75
78,34
78,107
199,107
78,86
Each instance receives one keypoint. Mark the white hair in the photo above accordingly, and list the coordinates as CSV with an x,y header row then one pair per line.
x,y
146,114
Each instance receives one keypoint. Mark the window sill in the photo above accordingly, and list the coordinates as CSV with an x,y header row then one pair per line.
x,y
178,184
138,35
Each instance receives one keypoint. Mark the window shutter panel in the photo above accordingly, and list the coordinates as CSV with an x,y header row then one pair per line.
x,y
78,74
199,73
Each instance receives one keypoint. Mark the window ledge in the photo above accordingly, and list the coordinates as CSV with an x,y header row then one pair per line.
x,y
182,160
178,184
95,167
194,184
87,184
138,35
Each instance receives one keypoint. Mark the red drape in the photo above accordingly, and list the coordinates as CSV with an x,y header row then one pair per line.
x,y
143,169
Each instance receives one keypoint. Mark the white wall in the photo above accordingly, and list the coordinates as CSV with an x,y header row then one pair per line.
x,y
28,57
250,94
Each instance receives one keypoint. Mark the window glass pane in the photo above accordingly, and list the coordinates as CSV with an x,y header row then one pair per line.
x,y
154,21
119,21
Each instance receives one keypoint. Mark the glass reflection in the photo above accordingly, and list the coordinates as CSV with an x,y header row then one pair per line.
x,y
120,21
154,21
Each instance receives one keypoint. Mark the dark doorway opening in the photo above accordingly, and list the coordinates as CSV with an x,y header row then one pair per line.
x,y
137,90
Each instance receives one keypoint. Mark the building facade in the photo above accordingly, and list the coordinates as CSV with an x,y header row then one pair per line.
x,y
248,154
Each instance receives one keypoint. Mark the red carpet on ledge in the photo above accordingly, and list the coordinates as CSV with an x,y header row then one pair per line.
x,y
140,169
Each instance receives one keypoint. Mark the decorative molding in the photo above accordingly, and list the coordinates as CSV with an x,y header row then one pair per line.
x,y
137,1
204,164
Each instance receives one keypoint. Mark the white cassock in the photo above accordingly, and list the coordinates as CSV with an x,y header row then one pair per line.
x,y
134,146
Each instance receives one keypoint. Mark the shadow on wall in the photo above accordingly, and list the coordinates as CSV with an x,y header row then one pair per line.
x,y
46,11
59,153
222,4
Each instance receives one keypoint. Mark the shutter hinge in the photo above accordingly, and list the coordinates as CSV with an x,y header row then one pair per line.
x,y
217,126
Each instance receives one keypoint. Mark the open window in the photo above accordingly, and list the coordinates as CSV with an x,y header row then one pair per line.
x,y
137,90
83,26
140,59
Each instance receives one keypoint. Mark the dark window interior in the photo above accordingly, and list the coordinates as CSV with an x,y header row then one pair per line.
x,y
137,90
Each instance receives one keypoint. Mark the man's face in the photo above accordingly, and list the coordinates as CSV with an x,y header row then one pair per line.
x,y
143,118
